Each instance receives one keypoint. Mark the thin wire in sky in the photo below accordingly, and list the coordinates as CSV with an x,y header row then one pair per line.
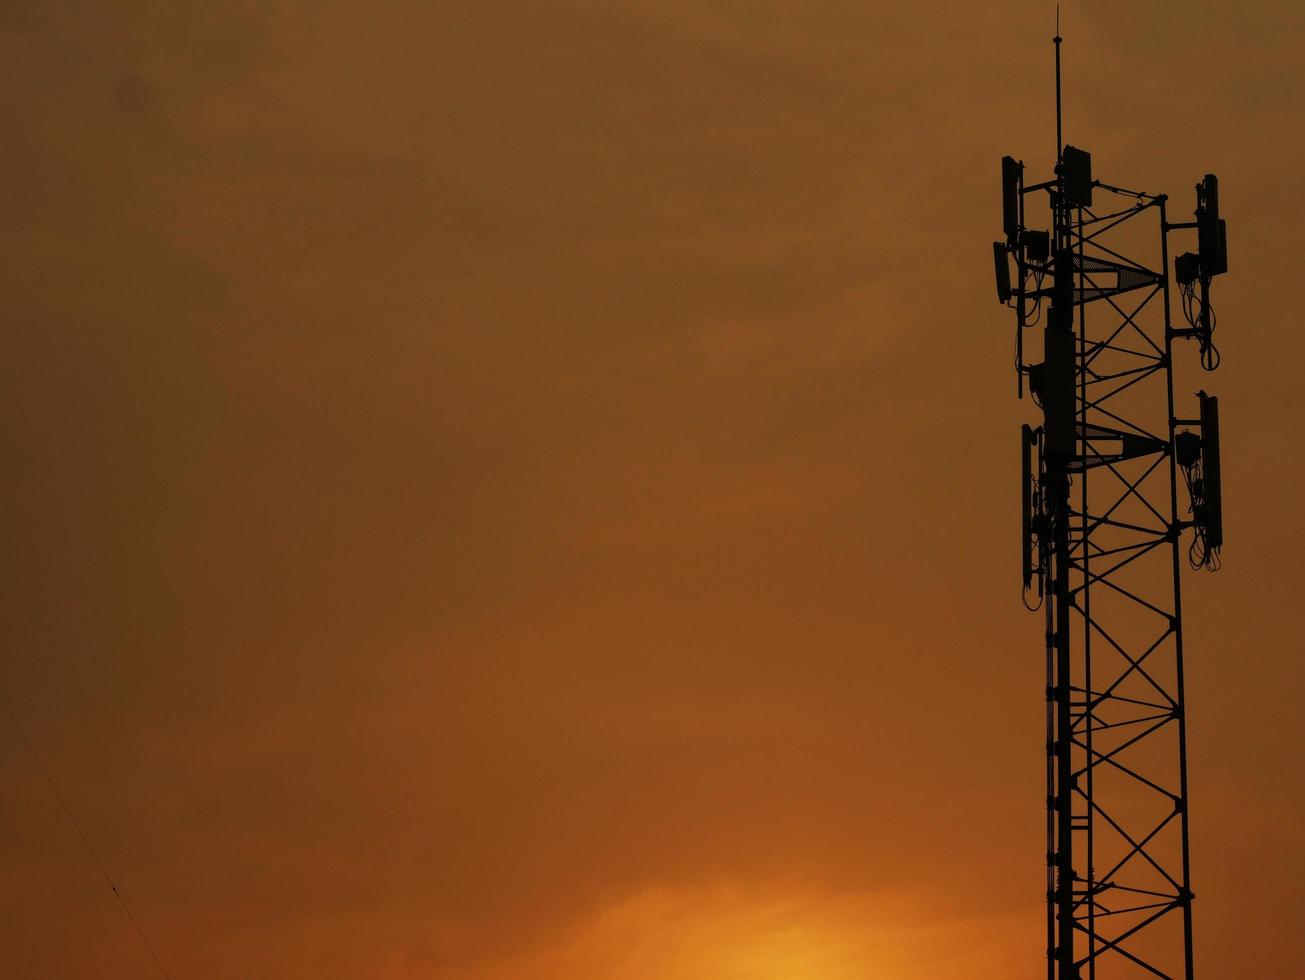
x,y
90,849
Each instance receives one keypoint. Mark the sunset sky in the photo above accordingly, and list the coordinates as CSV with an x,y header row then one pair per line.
x,y
526,490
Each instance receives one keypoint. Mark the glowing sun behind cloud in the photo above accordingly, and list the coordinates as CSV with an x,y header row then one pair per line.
x,y
725,932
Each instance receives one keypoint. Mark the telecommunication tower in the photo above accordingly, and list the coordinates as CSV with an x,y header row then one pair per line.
x,y
1120,485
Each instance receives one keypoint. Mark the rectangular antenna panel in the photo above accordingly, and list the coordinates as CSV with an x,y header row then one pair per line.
x,y
1211,232
1010,199
999,258
1058,383
1077,171
1026,496
1211,477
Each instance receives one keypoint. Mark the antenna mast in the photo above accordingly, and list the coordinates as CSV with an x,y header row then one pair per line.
x,y
1060,139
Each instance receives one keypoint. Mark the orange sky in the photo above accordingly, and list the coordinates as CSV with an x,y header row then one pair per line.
x,y
507,491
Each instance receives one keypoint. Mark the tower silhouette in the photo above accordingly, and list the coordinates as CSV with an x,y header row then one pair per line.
x,y
1120,484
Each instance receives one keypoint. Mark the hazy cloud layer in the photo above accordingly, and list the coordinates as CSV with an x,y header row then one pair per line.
x,y
526,490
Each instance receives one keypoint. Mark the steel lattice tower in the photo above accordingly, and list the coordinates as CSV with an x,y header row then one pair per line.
x,y
1118,491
